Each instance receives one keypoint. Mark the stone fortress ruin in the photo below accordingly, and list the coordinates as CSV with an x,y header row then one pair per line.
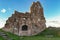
x,y
27,24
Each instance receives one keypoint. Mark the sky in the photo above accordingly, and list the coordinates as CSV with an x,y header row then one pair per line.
x,y
51,9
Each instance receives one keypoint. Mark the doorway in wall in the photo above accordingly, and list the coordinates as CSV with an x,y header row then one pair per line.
x,y
24,28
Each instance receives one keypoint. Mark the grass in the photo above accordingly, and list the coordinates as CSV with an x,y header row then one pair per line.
x,y
1,38
41,36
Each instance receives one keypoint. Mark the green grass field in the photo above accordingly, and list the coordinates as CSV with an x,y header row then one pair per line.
x,y
1,38
45,35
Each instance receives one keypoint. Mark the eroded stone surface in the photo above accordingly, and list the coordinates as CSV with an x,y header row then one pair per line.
x,y
34,21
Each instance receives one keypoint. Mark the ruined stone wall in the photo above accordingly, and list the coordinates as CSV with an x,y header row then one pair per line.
x,y
35,21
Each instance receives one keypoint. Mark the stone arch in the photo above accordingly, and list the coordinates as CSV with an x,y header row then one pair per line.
x,y
24,28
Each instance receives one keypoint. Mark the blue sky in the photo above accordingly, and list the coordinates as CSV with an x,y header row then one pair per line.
x,y
7,7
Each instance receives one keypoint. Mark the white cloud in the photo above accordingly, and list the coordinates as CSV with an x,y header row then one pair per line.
x,y
2,22
54,22
3,10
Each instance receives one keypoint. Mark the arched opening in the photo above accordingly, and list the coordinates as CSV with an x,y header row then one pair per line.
x,y
24,28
